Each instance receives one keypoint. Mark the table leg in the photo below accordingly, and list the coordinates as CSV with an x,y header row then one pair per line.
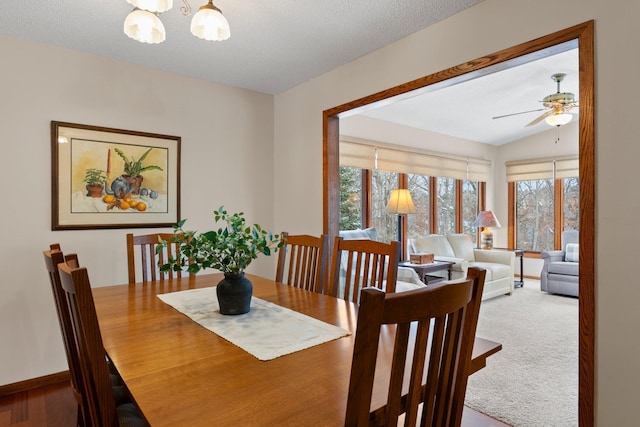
x,y
520,283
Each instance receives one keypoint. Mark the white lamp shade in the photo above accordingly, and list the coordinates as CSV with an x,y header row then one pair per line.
x,y
210,24
486,219
400,202
145,27
558,119
158,6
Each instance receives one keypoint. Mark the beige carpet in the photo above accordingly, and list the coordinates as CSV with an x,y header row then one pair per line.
x,y
533,381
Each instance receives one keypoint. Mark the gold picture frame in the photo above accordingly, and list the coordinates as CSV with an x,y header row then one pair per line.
x,y
113,178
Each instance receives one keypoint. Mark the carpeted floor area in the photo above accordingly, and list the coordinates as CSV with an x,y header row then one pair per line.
x,y
533,381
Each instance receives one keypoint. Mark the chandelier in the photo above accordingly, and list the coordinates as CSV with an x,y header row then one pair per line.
x,y
144,25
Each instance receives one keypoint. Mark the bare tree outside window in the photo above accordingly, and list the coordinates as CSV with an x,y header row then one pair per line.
x,y
446,205
470,208
418,186
382,183
571,208
534,219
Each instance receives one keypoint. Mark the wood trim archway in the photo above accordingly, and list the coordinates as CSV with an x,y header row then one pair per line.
x,y
584,34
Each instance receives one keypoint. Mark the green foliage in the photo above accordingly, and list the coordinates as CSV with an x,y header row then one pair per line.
x,y
229,249
94,177
350,194
133,167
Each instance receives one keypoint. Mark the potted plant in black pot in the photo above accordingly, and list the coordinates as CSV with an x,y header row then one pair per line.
x,y
229,249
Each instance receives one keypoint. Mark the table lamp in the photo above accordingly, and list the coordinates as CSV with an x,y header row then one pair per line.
x,y
400,203
486,219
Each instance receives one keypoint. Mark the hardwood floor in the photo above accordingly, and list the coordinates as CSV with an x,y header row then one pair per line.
x,y
51,406
54,406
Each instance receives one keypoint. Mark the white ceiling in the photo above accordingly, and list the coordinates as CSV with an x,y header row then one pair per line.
x,y
277,45
466,110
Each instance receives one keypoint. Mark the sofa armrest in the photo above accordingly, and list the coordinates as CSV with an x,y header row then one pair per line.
x,y
459,264
495,256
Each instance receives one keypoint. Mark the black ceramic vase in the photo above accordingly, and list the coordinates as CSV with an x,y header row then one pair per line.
x,y
234,294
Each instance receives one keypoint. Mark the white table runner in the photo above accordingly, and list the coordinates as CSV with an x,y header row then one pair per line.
x,y
267,331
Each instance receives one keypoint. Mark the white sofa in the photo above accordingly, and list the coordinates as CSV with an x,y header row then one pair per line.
x,y
459,249
407,279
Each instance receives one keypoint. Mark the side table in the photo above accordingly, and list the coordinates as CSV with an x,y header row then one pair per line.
x,y
519,253
431,267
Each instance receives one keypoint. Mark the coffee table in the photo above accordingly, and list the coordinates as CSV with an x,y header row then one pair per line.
x,y
424,269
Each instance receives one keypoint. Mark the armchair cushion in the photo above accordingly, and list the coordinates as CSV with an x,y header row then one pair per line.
x,y
572,252
564,268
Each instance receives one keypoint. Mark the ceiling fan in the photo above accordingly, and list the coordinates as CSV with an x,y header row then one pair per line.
x,y
557,106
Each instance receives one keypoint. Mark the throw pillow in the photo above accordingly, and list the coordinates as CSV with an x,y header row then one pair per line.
x,y
572,252
462,246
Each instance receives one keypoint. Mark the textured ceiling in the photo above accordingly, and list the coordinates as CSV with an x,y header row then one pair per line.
x,y
274,45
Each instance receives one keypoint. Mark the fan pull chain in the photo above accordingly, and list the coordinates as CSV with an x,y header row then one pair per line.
x,y
557,134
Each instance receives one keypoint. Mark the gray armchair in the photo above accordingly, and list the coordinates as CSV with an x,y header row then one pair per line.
x,y
560,269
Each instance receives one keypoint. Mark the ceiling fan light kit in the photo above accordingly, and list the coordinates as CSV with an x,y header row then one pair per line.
x,y
144,25
557,107
558,119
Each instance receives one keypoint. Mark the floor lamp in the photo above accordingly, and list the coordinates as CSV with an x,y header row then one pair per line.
x,y
400,203
485,220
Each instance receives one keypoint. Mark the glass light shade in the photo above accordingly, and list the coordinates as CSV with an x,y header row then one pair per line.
x,y
400,203
145,27
210,24
558,119
158,6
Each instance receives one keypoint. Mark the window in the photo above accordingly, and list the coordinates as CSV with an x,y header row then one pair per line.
x,y
571,205
446,205
470,200
350,198
544,194
418,186
382,183
534,218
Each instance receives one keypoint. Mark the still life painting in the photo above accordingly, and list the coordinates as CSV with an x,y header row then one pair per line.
x,y
113,178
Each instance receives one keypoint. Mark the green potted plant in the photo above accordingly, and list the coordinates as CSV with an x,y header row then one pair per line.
x,y
229,249
133,169
94,178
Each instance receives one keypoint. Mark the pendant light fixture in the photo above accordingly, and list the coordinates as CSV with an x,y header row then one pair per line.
x,y
144,25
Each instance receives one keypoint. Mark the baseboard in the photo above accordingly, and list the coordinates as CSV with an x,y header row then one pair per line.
x,y
33,383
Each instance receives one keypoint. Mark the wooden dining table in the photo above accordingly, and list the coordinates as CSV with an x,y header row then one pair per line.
x,y
181,374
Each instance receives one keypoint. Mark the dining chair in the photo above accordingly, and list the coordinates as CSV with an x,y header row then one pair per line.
x,y
148,264
431,332
52,258
302,261
357,264
102,402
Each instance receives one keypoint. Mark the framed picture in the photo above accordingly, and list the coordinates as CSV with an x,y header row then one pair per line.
x,y
113,178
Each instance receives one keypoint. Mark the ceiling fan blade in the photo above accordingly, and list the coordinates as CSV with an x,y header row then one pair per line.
x,y
515,114
539,118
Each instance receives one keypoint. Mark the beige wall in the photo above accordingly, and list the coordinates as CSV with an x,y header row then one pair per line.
x,y
480,30
227,158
